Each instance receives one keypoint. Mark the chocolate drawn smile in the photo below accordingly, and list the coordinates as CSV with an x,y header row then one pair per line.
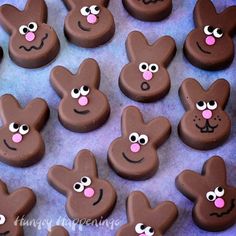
x,y
207,128
146,2
81,112
226,212
34,47
8,146
99,198
131,161
204,51
83,27
145,86
5,233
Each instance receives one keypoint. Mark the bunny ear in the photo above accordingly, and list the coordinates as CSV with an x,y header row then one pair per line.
x,y
71,4
228,17
3,188
131,119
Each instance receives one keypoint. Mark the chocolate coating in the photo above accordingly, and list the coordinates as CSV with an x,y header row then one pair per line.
x,y
58,231
133,155
145,78
33,43
205,125
21,144
83,107
88,196
148,10
144,220
210,46
214,200
89,22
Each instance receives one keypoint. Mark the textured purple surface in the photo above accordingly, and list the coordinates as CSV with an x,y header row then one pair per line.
x,y
62,145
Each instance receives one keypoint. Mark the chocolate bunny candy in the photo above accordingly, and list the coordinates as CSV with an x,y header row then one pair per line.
x,y
133,155
89,22
21,144
58,231
205,125
83,107
145,78
210,46
214,200
33,43
13,207
146,221
149,10
88,196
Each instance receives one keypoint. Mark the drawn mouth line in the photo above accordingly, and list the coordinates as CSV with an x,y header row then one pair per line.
x,y
146,2
226,212
5,233
8,146
131,161
34,47
207,128
204,51
81,112
83,28
99,198
145,86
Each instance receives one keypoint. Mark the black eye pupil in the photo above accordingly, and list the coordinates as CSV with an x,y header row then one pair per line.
x,y
31,26
142,140
76,90
25,127
87,9
144,67
25,30
86,88
15,126
142,227
220,189
211,197
210,28
97,8
84,180
151,230
219,31
212,103
153,68
133,138
201,103
77,186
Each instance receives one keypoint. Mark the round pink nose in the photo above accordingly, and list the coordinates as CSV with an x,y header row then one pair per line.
x,y
89,192
207,114
83,101
147,75
92,19
142,235
30,36
135,147
210,40
17,138
219,203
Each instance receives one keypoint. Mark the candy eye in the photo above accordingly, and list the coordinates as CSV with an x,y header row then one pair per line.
x,y
13,127
75,93
86,181
84,90
201,105
85,11
218,33
32,26
143,66
219,191
143,139
2,219
24,129
134,137
153,68
208,30
140,228
211,196
23,30
149,231
95,9
212,105
78,187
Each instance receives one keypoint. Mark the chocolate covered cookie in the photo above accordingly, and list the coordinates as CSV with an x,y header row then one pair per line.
x,y
83,107
133,155
146,221
145,78
88,196
205,125
33,43
89,22
58,231
214,200
13,207
210,46
148,10
21,144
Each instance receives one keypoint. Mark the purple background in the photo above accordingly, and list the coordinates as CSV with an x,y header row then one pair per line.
x,y
62,145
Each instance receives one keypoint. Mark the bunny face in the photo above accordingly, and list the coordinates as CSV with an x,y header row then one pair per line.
x,y
215,200
137,159
147,221
33,43
88,196
210,46
89,22
58,231
83,107
145,78
21,143
205,125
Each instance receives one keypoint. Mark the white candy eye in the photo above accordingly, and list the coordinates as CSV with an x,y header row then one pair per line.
x,y
143,139
86,181
208,30
149,231
23,30
75,93
134,137
84,90
219,191
13,127
211,196
201,105
78,187
2,219
85,11
140,228
95,9
212,105
143,66
24,129
218,33
32,26
153,68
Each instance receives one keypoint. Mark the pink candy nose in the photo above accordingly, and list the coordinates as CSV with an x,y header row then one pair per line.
x,y
207,114
92,19
147,75
89,192
30,36
210,40
17,138
135,147
142,235
83,101
219,203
